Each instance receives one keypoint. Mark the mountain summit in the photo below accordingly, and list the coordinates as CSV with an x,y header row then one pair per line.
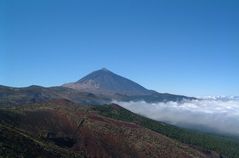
x,y
105,82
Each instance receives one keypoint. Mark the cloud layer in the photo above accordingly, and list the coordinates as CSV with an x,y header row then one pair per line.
x,y
216,114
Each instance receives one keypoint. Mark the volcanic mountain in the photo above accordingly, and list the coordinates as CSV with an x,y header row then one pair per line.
x,y
106,83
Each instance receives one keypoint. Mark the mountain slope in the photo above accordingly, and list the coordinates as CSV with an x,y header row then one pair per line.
x,y
227,147
68,128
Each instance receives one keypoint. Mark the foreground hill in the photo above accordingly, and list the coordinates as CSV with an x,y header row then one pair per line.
x,y
61,128
207,142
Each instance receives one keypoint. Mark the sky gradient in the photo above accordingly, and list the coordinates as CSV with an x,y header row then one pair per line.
x,y
184,47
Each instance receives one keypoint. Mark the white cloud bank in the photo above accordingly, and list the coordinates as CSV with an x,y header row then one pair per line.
x,y
218,114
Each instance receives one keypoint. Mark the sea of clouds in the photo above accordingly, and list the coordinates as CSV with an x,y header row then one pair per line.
x,y
215,114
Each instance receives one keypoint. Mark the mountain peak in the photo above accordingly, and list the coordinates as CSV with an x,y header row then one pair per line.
x,y
104,69
105,82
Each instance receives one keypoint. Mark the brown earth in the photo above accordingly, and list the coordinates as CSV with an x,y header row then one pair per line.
x,y
83,131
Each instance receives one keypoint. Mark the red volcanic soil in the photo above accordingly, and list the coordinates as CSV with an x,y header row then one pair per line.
x,y
83,131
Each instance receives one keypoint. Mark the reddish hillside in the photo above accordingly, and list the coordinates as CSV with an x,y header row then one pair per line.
x,y
83,131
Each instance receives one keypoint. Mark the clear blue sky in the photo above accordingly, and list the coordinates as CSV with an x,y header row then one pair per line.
x,y
178,46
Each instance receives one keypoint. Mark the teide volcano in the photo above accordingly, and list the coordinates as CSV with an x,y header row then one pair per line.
x,y
106,83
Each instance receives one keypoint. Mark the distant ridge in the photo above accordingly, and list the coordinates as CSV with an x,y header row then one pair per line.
x,y
97,88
